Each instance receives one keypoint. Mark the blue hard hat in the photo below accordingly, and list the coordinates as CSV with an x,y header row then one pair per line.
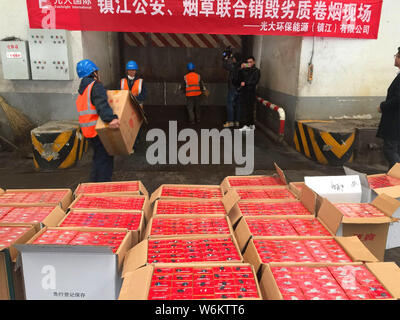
x,y
85,68
131,65
190,66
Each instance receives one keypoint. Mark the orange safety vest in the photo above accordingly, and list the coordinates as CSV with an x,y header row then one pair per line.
x,y
136,88
192,80
87,113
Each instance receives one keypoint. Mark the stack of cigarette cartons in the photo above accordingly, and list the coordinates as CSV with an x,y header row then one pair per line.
x,y
369,281
278,179
123,187
369,221
87,248
383,183
182,191
112,210
278,235
35,197
35,208
11,284
74,263
189,250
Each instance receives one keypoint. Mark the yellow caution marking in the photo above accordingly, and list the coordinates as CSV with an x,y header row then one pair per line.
x,y
338,149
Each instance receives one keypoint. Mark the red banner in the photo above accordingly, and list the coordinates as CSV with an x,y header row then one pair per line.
x,y
322,18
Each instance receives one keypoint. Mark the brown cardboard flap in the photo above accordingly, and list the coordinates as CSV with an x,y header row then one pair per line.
x,y
230,199
251,256
386,204
372,220
55,217
395,171
225,185
156,194
136,284
148,229
147,211
143,189
393,191
235,214
269,288
242,233
357,251
330,215
280,173
135,257
125,245
388,273
4,285
309,199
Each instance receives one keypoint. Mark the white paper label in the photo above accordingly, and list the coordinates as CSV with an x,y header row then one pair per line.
x,y
14,55
334,184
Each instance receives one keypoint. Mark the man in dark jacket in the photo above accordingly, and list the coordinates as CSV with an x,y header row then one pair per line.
x,y
92,102
389,126
250,75
232,64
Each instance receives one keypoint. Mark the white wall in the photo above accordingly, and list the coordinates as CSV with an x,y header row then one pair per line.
x,y
102,49
353,67
14,22
278,59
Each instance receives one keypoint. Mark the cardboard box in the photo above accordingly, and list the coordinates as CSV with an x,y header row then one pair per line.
x,y
107,197
136,234
137,284
11,284
387,273
107,187
353,247
64,202
187,191
371,231
193,206
52,220
265,193
370,193
121,140
279,178
159,218
73,272
137,257
336,188
243,233
307,198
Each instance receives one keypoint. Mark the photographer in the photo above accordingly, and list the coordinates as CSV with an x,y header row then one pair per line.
x,y
249,77
231,62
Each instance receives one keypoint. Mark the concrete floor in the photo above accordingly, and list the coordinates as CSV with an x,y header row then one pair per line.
x,y
16,172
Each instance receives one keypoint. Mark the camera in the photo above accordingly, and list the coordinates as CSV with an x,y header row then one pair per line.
x,y
227,53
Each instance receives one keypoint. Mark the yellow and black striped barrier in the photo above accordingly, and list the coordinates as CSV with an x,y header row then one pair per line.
x,y
58,145
335,148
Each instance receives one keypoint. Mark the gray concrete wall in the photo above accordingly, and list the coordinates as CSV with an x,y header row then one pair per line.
x,y
103,49
169,64
351,76
41,101
163,69
279,61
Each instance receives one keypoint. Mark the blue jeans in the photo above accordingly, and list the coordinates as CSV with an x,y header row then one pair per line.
x,y
103,163
233,106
